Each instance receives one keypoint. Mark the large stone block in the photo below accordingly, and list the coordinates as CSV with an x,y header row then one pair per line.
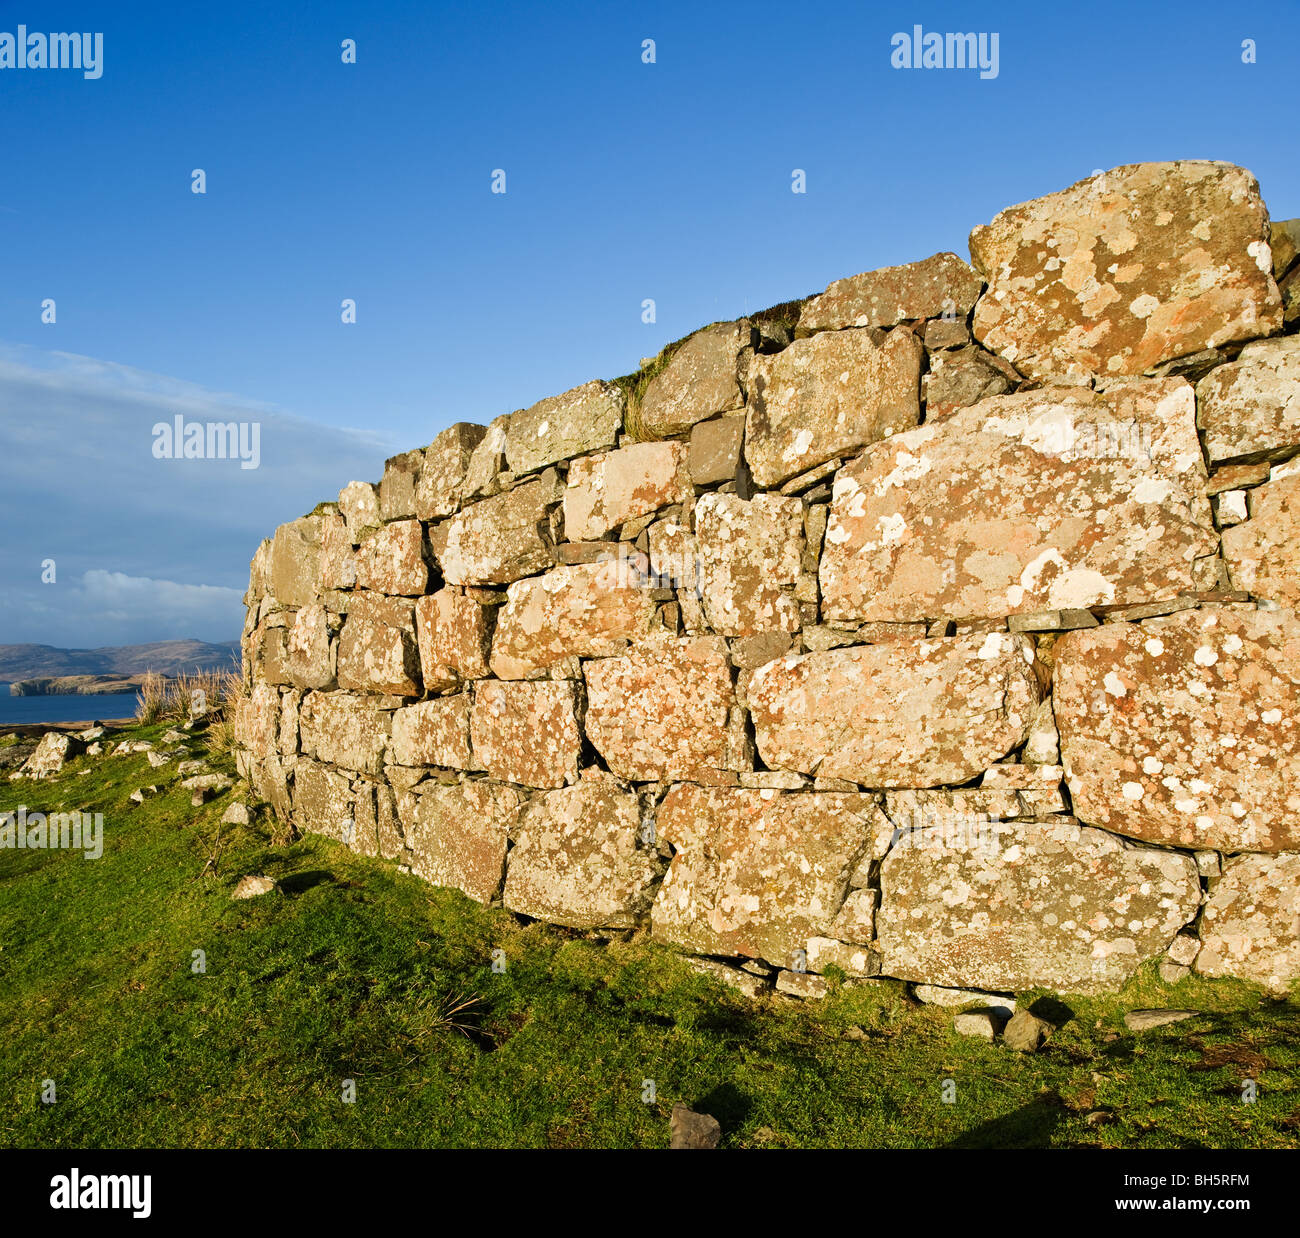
x,y
829,396
454,633
608,489
904,714
442,472
1185,730
662,711
757,873
295,561
1263,553
344,729
458,836
500,539
377,650
577,858
1250,927
397,485
1042,500
1043,904
751,555
359,505
1127,269
699,381
1249,409
589,610
391,560
942,284
585,419
310,663
527,732
323,801
338,565
433,733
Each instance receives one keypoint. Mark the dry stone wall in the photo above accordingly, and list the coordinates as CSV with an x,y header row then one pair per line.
x,y
939,627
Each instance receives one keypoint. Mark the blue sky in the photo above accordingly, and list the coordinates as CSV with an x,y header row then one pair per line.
x,y
625,181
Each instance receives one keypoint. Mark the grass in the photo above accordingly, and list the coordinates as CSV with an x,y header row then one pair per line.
x,y
351,969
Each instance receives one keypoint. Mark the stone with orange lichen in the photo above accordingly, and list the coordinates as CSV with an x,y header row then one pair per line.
x,y
827,396
1251,924
391,560
587,610
452,631
903,714
662,710
1185,730
527,732
1016,905
615,486
750,555
758,873
1127,269
1041,500
582,858
458,835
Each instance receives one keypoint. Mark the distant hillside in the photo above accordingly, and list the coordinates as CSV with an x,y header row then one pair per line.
x,y
167,657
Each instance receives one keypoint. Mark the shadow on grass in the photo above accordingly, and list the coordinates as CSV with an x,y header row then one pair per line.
x,y
1029,1127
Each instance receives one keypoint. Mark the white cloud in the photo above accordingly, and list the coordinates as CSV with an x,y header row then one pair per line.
x,y
145,549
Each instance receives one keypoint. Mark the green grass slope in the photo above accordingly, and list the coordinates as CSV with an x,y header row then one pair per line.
x,y
352,970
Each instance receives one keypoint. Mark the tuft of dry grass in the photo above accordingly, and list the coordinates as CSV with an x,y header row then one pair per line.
x,y
191,696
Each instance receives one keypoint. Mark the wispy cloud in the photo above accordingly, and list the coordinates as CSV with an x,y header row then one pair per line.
x,y
143,548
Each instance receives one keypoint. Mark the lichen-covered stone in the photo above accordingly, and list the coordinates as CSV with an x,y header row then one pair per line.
x,y
1185,730
579,858
1042,500
585,419
397,485
377,650
589,610
458,836
902,714
756,873
941,284
443,468
1263,553
453,632
55,748
662,710
1048,904
433,733
295,561
486,461
338,565
960,378
499,539
527,732
391,560
1249,409
345,729
750,557
359,505
1250,927
1127,269
615,486
699,381
310,665
715,450
322,800
829,396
